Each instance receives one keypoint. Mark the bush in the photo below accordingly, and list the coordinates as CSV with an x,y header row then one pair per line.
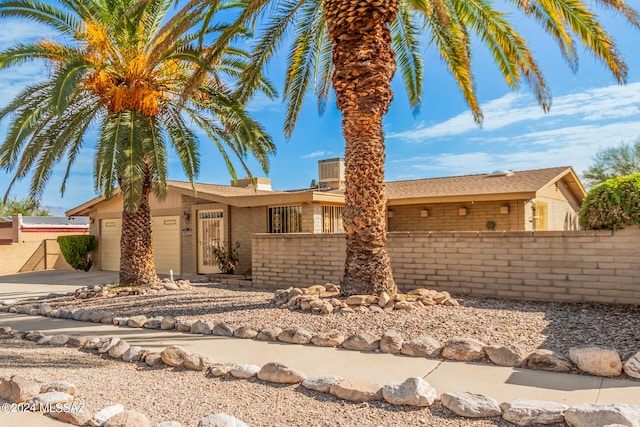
x,y
77,250
612,205
227,260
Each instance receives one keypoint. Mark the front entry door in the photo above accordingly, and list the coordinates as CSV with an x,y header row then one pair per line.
x,y
210,235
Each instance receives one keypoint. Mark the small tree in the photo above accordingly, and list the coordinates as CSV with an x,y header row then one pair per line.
x,y
612,205
620,160
25,206
77,250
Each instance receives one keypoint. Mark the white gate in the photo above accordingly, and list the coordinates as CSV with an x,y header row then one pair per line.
x,y
210,235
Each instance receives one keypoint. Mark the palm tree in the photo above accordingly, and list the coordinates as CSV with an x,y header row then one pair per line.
x,y
355,46
124,67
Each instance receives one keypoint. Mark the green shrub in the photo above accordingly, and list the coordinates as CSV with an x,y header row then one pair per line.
x,y
227,260
612,205
77,250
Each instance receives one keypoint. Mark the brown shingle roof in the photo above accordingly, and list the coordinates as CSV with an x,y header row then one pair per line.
x,y
468,185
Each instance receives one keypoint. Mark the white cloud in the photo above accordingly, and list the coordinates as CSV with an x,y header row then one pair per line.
x,y
21,30
317,154
607,103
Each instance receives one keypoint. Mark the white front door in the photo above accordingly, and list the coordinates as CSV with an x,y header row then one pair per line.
x,y
210,235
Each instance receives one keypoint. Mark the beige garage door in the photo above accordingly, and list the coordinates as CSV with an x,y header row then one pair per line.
x,y
166,244
110,230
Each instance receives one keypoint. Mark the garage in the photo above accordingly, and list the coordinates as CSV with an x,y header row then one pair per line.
x,y
166,244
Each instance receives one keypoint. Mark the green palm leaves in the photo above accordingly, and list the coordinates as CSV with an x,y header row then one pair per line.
x,y
448,26
126,69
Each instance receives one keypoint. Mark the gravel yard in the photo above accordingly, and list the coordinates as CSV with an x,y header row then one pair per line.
x,y
187,396
531,325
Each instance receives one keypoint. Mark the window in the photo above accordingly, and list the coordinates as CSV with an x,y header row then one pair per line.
x,y
285,219
332,219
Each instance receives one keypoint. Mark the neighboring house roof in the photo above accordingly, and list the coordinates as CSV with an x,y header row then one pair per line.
x,y
53,223
493,186
512,185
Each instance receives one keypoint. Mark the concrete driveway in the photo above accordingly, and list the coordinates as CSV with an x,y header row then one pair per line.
x,y
38,283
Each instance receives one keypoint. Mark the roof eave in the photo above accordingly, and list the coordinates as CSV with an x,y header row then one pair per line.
x,y
464,198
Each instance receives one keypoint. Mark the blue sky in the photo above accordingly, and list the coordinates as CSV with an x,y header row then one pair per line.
x,y
590,111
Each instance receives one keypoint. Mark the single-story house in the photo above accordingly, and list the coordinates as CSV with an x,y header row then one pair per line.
x,y
187,225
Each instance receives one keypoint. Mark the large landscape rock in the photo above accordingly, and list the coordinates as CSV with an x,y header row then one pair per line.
x,y
463,349
328,339
269,334
221,329
424,346
153,359
413,391
198,361
108,345
128,419
78,341
244,371
510,355
471,405
280,374
600,361
49,399
137,321
73,417
118,350
102,416
356,390
221,369
632,366
321,383
246,332
391,342
201,327
23,389
361,300
598,415
221,420
59,340
168,323
547,360
362,342
526,412
61,386
174,355
295,336
132,354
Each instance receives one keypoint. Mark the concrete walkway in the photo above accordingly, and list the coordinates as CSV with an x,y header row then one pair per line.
x,y
498,382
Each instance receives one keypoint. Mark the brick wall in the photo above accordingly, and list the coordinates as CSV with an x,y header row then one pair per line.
x,y
598,266
244,223
14,256
444,216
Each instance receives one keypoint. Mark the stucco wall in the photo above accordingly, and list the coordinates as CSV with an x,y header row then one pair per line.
x,y
598,266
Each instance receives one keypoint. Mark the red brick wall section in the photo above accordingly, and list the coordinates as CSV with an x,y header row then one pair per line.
x,y
580,266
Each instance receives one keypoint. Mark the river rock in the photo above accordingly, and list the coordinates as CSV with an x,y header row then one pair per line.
x,y
132,354
168,323
424,346
245,332
547,360
198,361
174,355
328,339
108,345
632,366
221,329
244,371
118,350
391,342
269,334
598,415
295,336
137,321
321,383
362,342
510,355
201,327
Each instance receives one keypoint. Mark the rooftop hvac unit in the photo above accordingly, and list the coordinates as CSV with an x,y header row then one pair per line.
x,y
331,170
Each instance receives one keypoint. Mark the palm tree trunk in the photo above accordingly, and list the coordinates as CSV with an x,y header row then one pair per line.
x,y
137,267
364,66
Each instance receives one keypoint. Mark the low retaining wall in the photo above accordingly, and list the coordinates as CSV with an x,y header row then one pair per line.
x,y
596,266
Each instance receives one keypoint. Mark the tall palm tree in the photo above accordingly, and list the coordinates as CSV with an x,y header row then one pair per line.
x,y
357,44
124,67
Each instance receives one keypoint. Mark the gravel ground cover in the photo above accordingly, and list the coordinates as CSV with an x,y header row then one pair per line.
x,y
165,394
551,325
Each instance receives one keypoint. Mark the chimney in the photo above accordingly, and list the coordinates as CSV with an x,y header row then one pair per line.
x,y
263,184
331,173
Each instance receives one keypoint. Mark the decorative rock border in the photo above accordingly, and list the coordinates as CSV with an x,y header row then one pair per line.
x,y
412,392
323,299
591,360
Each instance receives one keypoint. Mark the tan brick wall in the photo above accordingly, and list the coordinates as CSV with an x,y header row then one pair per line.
x,y
597,266
244,223
14,256
445,217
